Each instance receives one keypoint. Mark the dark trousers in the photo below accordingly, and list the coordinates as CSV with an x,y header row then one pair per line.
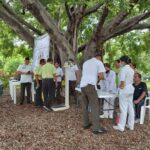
x,y
138,109
72,92
48,88
38,94
27,87
89,97
58,89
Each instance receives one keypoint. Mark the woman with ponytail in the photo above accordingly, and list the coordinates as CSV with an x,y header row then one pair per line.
x,y
126,91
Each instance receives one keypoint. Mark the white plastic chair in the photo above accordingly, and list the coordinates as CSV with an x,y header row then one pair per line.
x,y
143,109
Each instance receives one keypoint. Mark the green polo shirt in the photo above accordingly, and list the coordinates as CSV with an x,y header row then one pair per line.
x,y
37,72
47,71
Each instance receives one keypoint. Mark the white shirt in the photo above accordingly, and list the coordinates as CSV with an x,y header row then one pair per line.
x,y
110,82
25,77
126,74
72,73
59,73
90,71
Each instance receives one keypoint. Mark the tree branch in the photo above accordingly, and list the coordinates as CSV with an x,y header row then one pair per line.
x,y
141,26
127,25
102,20
92,9
121,16
13,13
67,10
17,27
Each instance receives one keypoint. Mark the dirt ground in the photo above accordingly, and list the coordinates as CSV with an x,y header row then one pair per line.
x,y
28,128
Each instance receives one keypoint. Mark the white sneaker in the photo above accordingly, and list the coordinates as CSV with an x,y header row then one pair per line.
x,y
137,120
111,116
130,128
118,128
103,116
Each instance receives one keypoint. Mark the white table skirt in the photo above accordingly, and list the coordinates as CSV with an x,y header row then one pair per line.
x,y
12,89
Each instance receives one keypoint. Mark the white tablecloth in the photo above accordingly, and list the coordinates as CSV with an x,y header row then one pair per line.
x,y
101,94
12,89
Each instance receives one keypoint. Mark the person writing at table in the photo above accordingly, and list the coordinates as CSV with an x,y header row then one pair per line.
x,y
92,69
126,91
25,70
109,86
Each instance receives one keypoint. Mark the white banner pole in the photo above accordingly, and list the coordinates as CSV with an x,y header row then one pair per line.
x,y
66,66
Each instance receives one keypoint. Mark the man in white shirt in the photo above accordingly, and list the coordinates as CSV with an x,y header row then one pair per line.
x,y
109,86
73,78
25,70
92,69
59,75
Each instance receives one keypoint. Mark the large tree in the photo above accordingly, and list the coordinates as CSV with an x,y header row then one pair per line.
x,y
107,19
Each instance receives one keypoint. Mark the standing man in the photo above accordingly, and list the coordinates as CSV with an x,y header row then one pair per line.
x,y
48,73
59,75
110,86
73,78
25,70
139,96
38,84
92,69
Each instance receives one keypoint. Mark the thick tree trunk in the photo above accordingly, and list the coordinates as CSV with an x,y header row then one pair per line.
x,y
36,8
92,48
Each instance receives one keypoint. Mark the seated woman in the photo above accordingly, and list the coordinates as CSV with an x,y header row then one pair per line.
x,y
140,93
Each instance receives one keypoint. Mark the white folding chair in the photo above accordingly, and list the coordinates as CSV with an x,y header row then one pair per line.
x,y
143,109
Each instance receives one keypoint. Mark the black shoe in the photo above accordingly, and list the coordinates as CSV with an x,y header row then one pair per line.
x,y
100,131
21,103
88,126
47,109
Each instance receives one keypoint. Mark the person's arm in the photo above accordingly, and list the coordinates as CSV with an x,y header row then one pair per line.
x,y
101,70
54,74
101,76
122,79
19,71
36,76
142,96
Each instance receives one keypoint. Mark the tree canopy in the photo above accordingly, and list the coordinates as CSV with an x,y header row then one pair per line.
x,y
78,28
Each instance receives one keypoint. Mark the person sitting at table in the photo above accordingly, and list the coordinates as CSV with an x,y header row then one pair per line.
x,y
59,75
140,93
38,84
25,70
109,86
126,91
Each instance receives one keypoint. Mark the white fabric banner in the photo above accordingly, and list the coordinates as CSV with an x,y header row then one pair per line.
x,y
41,49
